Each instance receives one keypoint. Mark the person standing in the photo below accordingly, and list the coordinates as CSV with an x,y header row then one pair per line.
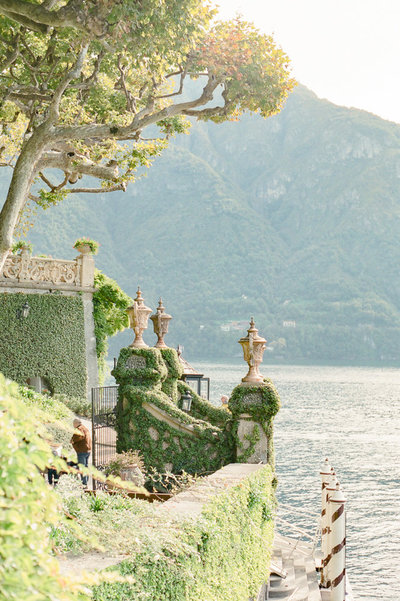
x,y
224,402
82,443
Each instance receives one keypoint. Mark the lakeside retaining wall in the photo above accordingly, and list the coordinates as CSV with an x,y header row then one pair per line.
x,y
221,533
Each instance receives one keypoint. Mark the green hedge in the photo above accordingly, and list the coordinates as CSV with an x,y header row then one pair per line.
x,y
224,555
49,342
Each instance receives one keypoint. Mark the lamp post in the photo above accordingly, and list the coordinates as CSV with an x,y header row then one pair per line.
x,y
23,312
138,315
160,321
186,401
253,347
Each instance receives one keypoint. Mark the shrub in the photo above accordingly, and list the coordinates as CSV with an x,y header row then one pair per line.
x,y
28,571
78,405
21,245
122,461
92,244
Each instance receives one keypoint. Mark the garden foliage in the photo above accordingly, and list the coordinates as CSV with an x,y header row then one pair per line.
x,y
224,554
109,311
48,343
199,442
28,507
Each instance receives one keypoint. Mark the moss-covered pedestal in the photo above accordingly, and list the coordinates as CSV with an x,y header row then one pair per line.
x,y
253,409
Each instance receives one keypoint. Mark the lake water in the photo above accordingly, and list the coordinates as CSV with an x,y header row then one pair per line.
x,y
352,416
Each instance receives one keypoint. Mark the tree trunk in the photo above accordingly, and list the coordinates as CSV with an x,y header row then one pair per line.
x,y
19,189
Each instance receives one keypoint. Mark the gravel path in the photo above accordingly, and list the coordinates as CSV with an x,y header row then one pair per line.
x,y
89,562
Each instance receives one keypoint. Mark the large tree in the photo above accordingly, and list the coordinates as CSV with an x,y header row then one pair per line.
x,y
81,81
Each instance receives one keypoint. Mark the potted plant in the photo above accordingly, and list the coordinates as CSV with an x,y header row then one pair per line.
x,y
86,246
127,466
21,246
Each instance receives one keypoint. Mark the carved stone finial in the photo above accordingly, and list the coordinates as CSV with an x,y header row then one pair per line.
x,y
138,315
160,321
253,349
139,298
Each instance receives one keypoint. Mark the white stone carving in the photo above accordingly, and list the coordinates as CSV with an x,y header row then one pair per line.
x,y
41,270
136,362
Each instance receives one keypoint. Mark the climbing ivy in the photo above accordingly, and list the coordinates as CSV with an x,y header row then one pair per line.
x,y
224,554
154,373
203,409
164,445
49,342
261,412
109,312
175,371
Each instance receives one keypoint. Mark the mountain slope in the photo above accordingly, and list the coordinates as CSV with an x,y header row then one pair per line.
x,y
293,218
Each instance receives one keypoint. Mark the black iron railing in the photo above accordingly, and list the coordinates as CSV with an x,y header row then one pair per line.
x,y
104,437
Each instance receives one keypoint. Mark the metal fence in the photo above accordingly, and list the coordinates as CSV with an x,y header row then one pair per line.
x,y
104,437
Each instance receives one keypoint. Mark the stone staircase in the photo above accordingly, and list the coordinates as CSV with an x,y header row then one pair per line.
x,y
293,574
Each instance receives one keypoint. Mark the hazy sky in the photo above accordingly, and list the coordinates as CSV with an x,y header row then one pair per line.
x,y
347,51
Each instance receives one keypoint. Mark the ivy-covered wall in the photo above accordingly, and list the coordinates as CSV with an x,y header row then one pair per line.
x,y
50,342
223,554
168,438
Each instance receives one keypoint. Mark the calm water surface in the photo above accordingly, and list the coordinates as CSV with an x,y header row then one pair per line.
x,y
352,416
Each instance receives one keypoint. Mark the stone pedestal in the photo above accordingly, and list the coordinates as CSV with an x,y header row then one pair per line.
x,y
86,262
248,432
253,409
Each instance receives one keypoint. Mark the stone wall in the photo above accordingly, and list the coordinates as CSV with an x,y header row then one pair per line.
x,y
219,542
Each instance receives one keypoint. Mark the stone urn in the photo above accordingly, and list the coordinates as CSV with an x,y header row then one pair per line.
x,y
253,347
133,474
160,321
84,249
138,315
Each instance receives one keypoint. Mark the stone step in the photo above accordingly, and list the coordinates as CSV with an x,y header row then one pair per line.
x,y
301,593
282,588
276,566
313,580
301,582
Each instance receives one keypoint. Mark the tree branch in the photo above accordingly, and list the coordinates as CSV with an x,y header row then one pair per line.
x,y
23,20
9,59
130,100
39,18
75,164
93,132
53,112
28,94
121,186
183,74
46,181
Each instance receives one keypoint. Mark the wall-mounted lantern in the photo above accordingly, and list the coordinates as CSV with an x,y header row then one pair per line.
x,y
186,401
193,378
23,312
160,321
138,318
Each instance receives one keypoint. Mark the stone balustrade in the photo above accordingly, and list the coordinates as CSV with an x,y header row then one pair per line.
x,y
25,271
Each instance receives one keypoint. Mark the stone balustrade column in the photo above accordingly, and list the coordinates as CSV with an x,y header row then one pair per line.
x,y
85,261
86,265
